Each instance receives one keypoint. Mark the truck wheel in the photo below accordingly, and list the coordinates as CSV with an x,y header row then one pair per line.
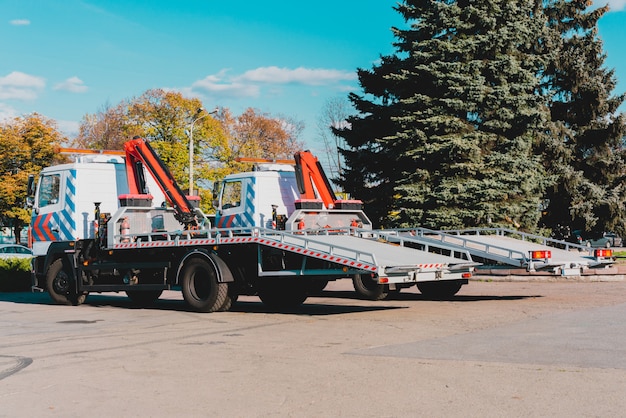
x,y
201,290
143,298
282,293
440,290
231,298
60,285
368,288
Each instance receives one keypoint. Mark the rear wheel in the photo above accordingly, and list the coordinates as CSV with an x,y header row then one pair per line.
x,y
201,290
282,293
440,290
368,288
61,285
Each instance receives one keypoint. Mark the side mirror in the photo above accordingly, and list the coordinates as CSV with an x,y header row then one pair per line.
x,y
216,195
30,191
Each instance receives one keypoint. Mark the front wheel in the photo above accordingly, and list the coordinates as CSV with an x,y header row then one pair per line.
x,y
61,285
201,290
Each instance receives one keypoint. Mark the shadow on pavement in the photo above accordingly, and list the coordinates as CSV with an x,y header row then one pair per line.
x,y
400,296
243,306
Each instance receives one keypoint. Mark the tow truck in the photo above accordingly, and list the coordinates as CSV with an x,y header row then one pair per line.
x,y
147,236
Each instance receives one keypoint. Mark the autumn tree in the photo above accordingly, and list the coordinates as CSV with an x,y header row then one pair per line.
x,y
27,144
165,118
255,134
104,129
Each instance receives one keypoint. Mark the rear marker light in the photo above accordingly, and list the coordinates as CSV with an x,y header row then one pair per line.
x,y
603,253
383,280
540,255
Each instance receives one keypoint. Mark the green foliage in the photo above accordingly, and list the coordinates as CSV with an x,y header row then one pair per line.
x,y
15,275
447,126
585,151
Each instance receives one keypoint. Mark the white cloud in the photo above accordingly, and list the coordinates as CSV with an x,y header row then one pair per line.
x,y
250,82
221,85
6,112
616,5
20,22
68,127
300,75
20,86
72,84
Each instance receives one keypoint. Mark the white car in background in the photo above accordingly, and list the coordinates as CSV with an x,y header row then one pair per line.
x,y
15,251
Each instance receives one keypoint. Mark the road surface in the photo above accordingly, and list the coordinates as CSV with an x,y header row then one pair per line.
x,y
498,349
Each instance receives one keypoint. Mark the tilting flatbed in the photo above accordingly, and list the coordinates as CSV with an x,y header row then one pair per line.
x,y
510,247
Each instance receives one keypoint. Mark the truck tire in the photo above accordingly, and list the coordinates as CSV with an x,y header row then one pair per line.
x,y
367,288
201,290
440,290
60,285
145,297
279,293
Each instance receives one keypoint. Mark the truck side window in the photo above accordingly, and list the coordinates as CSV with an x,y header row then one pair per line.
x,y
231,194
49,190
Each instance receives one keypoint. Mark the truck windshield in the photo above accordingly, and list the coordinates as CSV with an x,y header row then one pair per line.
x,y
49,190
231,194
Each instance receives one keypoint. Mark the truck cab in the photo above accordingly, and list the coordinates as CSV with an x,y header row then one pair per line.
x,y
65,197
258,198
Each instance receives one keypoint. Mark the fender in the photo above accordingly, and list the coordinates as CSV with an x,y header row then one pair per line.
x,y
224,274
56,250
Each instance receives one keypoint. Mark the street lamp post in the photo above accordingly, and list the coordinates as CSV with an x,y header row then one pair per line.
x,y
190,134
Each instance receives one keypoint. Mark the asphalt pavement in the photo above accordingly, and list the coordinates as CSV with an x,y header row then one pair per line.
x,y
497,349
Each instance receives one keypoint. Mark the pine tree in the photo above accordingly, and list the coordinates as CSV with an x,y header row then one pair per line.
x,y
448,125
586,148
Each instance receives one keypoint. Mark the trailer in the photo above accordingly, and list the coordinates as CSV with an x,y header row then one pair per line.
x,y
147,236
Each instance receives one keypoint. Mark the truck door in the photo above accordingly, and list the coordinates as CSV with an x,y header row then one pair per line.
x,y
235,208
53,211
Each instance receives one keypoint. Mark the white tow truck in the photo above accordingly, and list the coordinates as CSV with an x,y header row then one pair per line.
x,y
270,240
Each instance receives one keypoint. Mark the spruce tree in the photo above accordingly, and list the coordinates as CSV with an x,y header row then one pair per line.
x,y
585,151
448,125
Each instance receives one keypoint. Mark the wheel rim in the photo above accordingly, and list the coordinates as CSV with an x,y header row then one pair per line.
x,y
61,283
200,287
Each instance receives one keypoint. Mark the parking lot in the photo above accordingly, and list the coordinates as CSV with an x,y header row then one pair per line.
x,y
497,349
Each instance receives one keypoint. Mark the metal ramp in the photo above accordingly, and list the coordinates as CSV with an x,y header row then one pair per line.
x,y
503,246
357,252
406,263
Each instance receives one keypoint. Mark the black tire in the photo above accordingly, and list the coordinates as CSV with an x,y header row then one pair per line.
x,y
281,293
442,290
201,290
368,288
143,297
231,298
61,286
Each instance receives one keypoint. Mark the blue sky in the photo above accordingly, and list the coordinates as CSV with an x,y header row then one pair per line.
x,y
64,59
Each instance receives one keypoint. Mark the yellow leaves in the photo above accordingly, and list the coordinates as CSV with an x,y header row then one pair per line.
x,y
26,144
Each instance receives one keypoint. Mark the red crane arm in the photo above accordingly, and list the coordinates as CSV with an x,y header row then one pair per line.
x,y
311,178
140,154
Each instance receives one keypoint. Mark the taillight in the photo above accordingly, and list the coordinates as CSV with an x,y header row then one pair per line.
x,y
540,254
600,253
